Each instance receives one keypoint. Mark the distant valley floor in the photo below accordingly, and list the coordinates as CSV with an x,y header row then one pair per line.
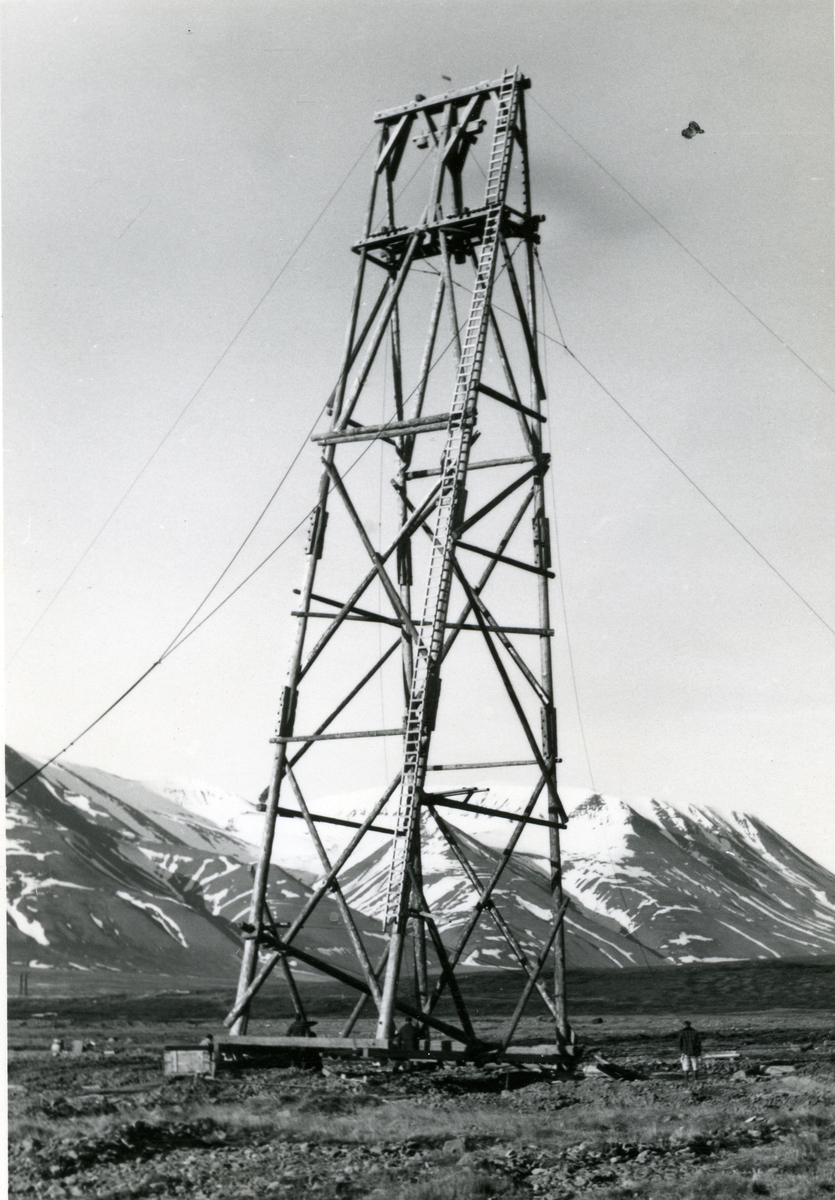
x,y
686,991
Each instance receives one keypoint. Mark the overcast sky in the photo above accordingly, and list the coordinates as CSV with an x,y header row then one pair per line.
x,y
162,161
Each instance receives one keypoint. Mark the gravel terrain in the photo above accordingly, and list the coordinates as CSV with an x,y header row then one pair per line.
x,y
108,1124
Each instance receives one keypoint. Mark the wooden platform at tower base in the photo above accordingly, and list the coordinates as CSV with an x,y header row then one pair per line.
x,y
232,1050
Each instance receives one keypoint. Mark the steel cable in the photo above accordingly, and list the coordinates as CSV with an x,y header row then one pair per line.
x,y
687,251
181,638
188,405
681,469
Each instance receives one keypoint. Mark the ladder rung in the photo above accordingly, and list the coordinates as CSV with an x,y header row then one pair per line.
x,y
440,571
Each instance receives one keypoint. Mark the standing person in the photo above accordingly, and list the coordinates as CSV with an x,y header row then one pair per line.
x,y
690,1048
309,1060
406,1037
406,1041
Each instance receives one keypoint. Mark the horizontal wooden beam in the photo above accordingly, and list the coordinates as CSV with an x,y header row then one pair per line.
x,y
464,791
295,1043
435,104
503,558
333,737
367,433
378,619
469,224
425,472
524,630
373,618
291,812
510,762
362,1047
355,608
461,232
442,802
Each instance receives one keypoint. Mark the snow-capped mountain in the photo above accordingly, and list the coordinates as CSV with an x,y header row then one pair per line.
x,y
113,873
227,810
521,896
104,873
648,882
697,886
292,847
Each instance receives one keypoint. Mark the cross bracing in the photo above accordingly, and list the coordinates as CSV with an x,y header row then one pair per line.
x,y
442,552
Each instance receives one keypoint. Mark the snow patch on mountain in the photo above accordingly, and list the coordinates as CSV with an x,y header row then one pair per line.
x,y
648,882
292,847
605,945
225,809
743,934
27,925
16,849
686,959
156,914
544,914
84,805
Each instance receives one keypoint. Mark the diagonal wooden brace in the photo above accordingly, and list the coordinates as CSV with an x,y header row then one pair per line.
x,y
391,591
531,984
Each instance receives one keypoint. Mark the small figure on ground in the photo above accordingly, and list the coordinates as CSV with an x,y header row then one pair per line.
x,y
301,1027
690,1048
692,129
406,1041
406,1037
308,1060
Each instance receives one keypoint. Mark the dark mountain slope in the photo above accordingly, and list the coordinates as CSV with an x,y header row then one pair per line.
x,y
104,874
522,896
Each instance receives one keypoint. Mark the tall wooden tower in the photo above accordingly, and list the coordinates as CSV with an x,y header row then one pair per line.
x,y
441,354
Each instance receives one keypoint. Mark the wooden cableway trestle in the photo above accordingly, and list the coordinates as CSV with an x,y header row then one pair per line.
x,y
441,353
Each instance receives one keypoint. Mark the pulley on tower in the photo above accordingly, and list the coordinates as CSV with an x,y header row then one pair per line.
x,y
452,556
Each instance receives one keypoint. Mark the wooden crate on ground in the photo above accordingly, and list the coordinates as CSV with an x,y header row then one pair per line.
x,y
187,1060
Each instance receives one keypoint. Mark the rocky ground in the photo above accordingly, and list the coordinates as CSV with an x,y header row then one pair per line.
x,y
108,1124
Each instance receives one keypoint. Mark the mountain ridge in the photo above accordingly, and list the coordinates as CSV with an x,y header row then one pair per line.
x,y
103,874
111,873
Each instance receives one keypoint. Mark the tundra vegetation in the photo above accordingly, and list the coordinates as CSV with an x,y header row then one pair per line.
x,y
106,1123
